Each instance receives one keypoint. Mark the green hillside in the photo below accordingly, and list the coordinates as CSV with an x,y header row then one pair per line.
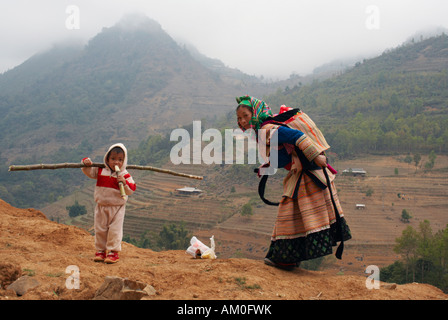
x,y
395,103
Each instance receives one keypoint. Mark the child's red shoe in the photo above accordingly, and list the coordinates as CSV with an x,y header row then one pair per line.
x,y
100,256
112,257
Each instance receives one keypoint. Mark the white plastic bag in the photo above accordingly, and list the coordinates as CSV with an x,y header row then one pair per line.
x,y
197,248
210,253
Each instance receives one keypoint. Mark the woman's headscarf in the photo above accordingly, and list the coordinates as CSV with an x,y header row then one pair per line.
x,y
260,110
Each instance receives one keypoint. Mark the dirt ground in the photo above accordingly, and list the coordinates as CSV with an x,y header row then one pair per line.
x,y
44,249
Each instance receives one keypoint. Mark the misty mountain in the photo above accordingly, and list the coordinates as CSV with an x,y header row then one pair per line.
x,y
129,81
37,67
132,81
394,103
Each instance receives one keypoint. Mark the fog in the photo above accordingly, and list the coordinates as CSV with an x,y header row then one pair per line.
x,y
265,38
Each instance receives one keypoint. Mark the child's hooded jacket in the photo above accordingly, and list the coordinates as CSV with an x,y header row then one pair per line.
x,y
107,190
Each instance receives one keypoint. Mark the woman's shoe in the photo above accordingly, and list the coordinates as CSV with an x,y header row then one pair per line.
x,y
287,267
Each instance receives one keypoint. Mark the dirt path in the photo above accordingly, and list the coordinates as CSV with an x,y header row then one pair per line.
x,y
44,249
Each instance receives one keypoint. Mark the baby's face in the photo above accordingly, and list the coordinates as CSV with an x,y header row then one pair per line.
x,y
115,159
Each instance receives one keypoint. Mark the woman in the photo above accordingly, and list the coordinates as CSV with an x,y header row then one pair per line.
x,y
310,219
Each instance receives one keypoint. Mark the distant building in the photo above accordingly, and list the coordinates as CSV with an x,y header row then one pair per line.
x,y
188,191
360,206
354,172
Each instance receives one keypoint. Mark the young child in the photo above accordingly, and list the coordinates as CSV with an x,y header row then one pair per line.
x,y
110,205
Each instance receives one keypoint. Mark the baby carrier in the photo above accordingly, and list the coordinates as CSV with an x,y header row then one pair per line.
x,y
296,119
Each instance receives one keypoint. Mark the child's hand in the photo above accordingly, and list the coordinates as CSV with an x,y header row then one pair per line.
x,y
121,179
87,162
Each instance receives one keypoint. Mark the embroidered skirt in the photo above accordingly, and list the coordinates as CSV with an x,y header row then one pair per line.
x,y
306,227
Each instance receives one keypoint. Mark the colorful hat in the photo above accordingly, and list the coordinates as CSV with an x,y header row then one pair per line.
x,y
260,110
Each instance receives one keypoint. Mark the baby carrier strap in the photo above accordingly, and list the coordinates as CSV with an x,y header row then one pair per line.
x,y
283,117
261,188
278,119
340,232
307,166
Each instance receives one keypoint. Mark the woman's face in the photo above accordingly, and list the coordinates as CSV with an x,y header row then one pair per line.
x,y
244,115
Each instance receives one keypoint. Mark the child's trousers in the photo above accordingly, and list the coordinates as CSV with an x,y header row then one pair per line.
x,y
108,224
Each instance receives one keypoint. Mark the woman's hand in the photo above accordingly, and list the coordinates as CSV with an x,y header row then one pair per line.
x,y
321,161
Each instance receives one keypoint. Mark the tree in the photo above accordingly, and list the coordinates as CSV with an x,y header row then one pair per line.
x,y
407,245
246,210
408,159
442,247
395,272
431,159
76,210
417,158
425,238
425,253
173,237
405,216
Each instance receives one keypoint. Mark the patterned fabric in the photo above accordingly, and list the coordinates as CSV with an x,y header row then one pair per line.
x,y
307,146
260,110
305,124
306,226
295,167
314,245
310,211
302,122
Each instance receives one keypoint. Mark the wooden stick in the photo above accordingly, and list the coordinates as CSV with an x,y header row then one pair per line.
x,y
99,165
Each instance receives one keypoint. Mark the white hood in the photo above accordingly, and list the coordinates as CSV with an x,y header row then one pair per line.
x,y
125,162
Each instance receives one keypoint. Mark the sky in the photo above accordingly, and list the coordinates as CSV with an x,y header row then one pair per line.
x,y
269,38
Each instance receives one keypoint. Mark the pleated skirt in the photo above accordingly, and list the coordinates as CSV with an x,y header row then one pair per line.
x,y
306,226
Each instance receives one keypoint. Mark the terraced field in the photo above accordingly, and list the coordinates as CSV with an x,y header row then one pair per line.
x,y
217,210
155,203
375,228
